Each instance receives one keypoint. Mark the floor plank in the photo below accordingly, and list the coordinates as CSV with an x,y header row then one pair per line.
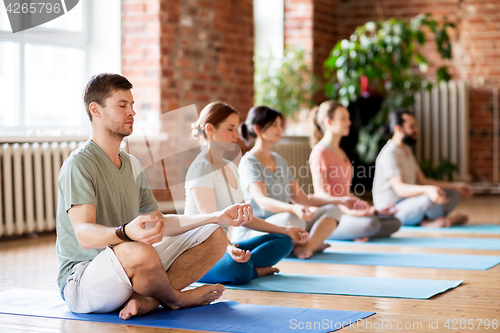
x,y
31,263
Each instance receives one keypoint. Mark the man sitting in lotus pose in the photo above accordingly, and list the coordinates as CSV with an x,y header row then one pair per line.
x,y
400,182
108,221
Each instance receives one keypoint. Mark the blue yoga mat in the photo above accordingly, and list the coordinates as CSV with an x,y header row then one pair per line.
x,y
225,316
420,260
435,242
349,285
459,229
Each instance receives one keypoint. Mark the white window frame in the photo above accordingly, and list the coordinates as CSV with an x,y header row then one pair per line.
x,y
269,27
87,40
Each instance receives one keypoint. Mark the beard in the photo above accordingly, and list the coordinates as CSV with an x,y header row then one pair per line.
x,y
409,140
117,132
115,129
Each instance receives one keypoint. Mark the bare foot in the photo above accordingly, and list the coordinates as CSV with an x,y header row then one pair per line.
x,y
322,247
440,222
362,239
458,219
261,271
302,252
203,295
138,305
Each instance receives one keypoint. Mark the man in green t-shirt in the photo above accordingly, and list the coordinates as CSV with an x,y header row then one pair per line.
x,y
108,221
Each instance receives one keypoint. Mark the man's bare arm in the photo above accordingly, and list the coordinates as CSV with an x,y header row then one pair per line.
x,y
91,235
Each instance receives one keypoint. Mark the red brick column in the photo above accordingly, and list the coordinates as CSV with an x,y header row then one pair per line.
x,y
178,53
298,25
141,53
325,32
207,53
312,25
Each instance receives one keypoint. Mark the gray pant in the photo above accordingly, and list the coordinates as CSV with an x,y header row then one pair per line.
x,y
412,211
352,227
349,228
289,220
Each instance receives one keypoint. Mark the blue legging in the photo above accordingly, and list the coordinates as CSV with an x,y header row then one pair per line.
x,y
266,250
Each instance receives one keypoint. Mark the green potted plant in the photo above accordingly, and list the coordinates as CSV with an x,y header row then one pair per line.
x,y
286,84
387,54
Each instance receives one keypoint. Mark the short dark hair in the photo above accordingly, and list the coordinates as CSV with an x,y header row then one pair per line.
x,y
101,86
262,116
396,118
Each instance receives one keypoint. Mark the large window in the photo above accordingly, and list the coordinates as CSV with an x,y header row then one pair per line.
x,y
269,27
43,69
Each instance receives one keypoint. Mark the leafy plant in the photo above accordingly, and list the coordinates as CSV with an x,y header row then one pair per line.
x,y
444,169
286,84
387,54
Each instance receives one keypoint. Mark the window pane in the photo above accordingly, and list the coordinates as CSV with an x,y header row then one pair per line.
x,y
54,80
71,21
269,27
9,84
4,20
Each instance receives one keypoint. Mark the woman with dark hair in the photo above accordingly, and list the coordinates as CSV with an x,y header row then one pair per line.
x,y
269,187
332,174
213,182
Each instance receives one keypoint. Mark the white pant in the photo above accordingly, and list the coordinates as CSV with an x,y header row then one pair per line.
x,y
102,285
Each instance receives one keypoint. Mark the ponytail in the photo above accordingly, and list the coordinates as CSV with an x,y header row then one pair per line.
x,y
318,115
196,130
214,113
263,117
247,134
317,131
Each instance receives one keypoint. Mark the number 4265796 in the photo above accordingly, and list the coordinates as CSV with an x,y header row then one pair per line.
x,y
33,8
471,324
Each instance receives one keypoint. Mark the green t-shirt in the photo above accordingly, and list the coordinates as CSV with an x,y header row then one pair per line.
x,y
89,176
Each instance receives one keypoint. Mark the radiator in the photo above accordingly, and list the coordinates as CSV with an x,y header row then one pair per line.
x,y
296,150
28,177
442,115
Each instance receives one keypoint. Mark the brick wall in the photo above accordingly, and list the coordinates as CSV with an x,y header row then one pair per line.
x,y
476,51
478,61
178,53
183,52
298,25
315,39
207,53
326,34
141,53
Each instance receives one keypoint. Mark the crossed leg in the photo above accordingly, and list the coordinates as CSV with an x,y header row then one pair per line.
x,y
320,231
153,285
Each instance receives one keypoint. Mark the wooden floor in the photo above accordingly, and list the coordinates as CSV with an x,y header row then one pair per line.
x,y
31,263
